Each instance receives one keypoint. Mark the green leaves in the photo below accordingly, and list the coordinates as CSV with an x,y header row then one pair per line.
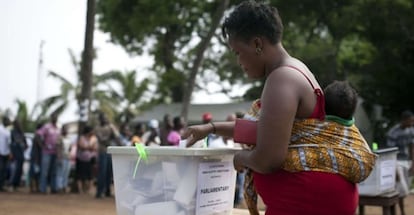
x,y
369,43
170,30
126,90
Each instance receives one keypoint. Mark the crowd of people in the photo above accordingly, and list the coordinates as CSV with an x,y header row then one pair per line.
x,y
63,162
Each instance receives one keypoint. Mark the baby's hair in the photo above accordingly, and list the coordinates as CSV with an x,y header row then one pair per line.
x,y
340,99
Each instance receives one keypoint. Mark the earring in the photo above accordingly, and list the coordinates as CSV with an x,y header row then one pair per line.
x,y
258,50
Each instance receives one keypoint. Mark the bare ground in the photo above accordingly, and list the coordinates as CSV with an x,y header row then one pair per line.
x,y
22,202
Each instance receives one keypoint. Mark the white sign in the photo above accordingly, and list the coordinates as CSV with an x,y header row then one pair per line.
x,y
387,176
215,192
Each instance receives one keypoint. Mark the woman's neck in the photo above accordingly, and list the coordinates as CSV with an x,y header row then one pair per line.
x,y
277,57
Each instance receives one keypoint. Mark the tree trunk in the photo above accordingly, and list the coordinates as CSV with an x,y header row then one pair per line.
x,y
200,56
87,60
86,72
175,89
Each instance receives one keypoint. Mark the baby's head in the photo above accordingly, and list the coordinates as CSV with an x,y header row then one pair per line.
x,y
340,99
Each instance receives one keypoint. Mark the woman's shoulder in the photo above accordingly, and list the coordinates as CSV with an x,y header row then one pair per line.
x,y
293,82
291,75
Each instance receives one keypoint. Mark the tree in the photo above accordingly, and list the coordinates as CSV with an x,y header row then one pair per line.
x,y
368,43
179,33
203,45
70,91
86,66
23,116
30,119
129,92
388,78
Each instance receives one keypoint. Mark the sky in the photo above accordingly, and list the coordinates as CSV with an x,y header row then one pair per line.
x,y
61,26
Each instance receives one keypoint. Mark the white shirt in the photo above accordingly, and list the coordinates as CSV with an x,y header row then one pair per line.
x,y
401,138
5,140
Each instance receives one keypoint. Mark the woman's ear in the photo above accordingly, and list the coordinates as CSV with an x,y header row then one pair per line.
x,y
258,44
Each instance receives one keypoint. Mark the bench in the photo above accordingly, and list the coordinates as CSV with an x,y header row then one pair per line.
x,y
387,201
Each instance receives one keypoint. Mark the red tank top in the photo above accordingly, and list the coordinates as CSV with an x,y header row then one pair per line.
x,y
307,192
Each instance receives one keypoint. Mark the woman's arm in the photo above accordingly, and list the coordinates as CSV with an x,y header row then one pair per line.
x,y
197,132
279,104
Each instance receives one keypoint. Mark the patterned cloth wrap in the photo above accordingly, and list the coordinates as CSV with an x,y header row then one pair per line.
x,y
329,147
323,146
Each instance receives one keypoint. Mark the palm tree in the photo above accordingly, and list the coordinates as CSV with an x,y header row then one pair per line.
x,y
70,91
23,116
131,93
29,119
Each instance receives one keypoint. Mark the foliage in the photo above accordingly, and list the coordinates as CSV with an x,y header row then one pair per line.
x,y
131,93
369,43
172,31
28,120
388,78
70,91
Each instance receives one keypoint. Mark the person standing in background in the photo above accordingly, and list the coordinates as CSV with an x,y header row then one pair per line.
x,y
167,125
86,151
174,137
18,146
36,160
151,136
50,134
5,141
106,135
208,118
401,136
139,130
124,134
63,164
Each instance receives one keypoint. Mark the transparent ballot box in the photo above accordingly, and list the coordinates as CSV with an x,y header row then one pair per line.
x,y
173,181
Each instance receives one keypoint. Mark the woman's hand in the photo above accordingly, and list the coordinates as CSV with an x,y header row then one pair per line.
x,y
196,132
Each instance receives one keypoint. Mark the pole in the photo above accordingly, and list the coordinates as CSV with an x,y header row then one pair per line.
x,y
40,73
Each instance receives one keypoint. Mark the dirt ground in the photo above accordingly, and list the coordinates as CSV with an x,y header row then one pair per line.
x,y
22,202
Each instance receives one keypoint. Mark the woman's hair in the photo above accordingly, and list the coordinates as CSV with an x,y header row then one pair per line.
x,y
87,129
250,19
178,123
340,99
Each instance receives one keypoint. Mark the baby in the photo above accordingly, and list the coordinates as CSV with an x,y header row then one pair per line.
x,y
340,102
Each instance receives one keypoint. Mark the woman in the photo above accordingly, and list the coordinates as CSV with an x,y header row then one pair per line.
x,y
174,136
86,151
63,160
291,92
